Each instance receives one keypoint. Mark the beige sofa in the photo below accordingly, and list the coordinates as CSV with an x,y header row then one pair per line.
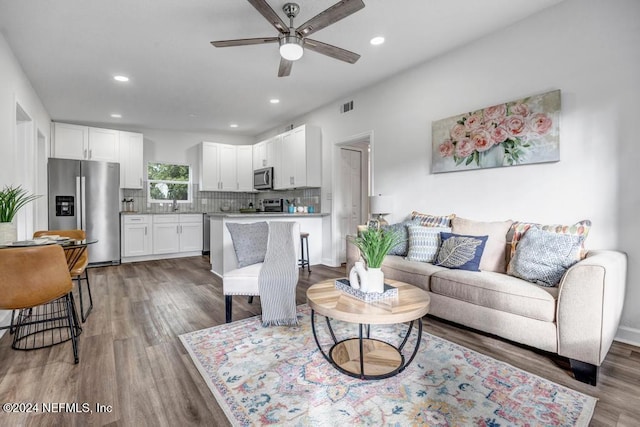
x,y
578,319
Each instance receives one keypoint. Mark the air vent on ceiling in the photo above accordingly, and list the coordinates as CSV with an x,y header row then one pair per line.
x,y
346,107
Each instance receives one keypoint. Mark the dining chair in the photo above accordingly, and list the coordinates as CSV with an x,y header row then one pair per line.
x,y
245,280
79,269
35,281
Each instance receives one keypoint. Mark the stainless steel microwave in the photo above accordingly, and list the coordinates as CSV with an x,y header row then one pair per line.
x,y
263,179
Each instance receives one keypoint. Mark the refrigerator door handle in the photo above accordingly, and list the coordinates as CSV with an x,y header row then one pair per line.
x,y
83,186
78,223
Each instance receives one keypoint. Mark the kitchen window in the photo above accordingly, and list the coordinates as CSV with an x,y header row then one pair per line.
x,y
168,182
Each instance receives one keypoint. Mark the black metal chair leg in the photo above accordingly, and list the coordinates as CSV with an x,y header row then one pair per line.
x,y
250,299
227,308
72,328
84,314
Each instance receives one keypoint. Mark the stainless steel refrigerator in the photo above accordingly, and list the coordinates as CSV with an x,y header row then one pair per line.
x,y
84,194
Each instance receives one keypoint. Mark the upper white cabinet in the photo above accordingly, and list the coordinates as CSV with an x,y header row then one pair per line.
x,y
260,155
301,158
85,143
131,160
244,167
225,167
104,145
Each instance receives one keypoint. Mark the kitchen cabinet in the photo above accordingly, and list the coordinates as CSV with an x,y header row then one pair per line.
x,y
176,233
131,160
225,167
244,167
301,159
85,143
136,235
264,153
260,155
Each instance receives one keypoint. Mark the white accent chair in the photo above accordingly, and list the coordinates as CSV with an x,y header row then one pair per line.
x,y
244,281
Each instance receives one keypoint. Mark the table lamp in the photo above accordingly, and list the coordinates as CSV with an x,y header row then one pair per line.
x,y
381,205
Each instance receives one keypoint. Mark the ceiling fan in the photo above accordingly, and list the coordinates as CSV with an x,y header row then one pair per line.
x,y
293,40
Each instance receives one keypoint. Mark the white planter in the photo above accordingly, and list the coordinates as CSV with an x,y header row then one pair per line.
x,y
375,279
8,233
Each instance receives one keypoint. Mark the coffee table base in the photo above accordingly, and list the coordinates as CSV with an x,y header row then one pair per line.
x,y
364,357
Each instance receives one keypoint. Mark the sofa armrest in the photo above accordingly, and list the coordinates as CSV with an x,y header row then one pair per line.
x,y
589,307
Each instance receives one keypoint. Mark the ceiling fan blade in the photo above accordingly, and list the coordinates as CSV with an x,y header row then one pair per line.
x,y
285,67
244,42
332,51
270,15
329,16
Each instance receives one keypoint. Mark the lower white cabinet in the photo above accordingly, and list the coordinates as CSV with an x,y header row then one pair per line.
x,y
136,235
158,236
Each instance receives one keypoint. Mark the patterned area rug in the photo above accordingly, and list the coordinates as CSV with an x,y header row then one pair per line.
x,y
277,376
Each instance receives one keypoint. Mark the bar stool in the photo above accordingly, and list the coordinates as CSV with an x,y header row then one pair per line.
x,y
304,262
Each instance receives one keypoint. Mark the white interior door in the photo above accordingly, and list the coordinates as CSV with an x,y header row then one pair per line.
x,y
351,194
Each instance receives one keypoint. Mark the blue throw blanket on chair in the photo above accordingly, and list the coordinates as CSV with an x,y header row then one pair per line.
x,y
279,277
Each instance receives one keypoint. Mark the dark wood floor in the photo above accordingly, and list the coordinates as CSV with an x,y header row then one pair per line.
x,y
132,360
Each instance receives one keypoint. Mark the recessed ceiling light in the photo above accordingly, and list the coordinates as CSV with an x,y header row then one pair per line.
x,y
377,40
116,116
274,101
121,78
233,125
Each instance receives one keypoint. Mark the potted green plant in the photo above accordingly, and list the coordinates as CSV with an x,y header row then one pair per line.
x,y
12,199
374,244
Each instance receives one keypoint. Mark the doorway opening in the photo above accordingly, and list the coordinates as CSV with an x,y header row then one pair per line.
x,y
353,189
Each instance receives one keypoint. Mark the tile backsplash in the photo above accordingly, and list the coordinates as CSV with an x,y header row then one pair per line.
x,y
212,201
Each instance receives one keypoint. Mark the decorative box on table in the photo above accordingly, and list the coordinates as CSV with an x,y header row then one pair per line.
x,y
345,286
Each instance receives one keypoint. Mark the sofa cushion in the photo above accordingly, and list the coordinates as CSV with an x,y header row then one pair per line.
x,y
424,242
494,256
415,273
400,228
460,252
249,241
432,220
543,257
497,291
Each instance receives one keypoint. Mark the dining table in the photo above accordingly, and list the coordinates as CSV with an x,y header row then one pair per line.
x,y
46,333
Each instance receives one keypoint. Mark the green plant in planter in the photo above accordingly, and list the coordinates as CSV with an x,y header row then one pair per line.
x,y
375,244
11,200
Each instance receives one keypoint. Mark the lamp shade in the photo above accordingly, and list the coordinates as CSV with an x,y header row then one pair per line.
x,y
381,205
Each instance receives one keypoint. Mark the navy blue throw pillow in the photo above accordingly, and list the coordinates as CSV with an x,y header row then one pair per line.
x,y
458,251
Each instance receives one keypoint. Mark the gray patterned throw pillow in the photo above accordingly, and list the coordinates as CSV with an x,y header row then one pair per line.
x,y
249,241
400,228
543,257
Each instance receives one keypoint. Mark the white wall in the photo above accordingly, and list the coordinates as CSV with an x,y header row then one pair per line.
x,y
182,147
15,88
587,48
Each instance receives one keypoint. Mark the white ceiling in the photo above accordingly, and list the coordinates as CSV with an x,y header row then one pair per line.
x,y
70,49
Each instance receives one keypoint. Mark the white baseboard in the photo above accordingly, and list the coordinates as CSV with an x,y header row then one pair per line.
x,y
628,335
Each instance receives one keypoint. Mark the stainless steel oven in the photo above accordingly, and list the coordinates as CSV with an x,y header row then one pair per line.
x,y
263,179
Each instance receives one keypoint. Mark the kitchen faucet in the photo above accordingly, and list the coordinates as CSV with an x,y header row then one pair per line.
x,y
175,205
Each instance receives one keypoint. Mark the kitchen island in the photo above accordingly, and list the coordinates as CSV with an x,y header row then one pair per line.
x,y
223,256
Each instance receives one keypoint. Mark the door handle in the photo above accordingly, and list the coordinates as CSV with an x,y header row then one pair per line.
x,y
85,154
90,154
84,202
145,230
78,223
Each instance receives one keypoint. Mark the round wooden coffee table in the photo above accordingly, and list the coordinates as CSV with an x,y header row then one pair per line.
x,y
365,357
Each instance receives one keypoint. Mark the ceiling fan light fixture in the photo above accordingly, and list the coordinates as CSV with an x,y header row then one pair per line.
x,y
291,48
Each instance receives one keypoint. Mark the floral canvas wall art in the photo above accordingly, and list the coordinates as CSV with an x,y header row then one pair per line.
x,y
514,133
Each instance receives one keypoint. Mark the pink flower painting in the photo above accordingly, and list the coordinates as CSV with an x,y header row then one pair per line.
x,y
514,133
